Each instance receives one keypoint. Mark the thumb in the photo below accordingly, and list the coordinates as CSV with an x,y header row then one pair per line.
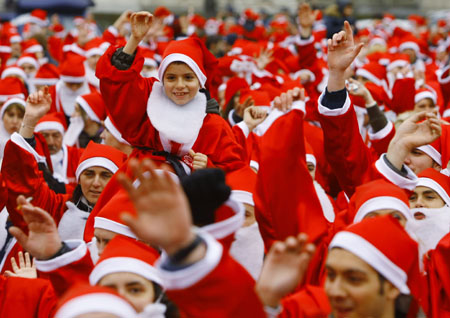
x,y
357,49
192,153
20,236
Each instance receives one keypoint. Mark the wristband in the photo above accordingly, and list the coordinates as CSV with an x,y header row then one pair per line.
x,y
181,254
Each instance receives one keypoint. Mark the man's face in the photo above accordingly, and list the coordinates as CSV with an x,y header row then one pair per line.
x,y
417,161
54,140
424,197
425,104
354,288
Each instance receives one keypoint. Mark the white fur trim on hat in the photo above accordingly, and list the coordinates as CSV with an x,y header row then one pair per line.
x,y
243,197
44,81
174,57
430,183
432,152
29,60
381,203
4,98
113,130
93,303
150,62
311,159
110,225
124,264
87,108
396,63
11,101
50,125
94,51
14,71
425,94
222,229
96,162
73,79
409,45
34,49
365,73
363,249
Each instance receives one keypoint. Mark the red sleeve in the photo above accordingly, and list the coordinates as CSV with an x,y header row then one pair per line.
x,y
403,93
444,81
126,94
381,139
216,286
22,176
309,302
68,269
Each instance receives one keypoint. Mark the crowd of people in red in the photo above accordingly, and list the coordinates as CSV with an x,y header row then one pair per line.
x,y
177,166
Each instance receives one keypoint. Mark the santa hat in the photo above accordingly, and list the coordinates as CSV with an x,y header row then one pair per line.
x,y
101,156
310,157
194,53
436,181
161,12
11,87
377,195
242,182
382,243
72,69
433,150
249,14
28,58
93,47
377,40
260,98
425,93
52,121
78,20
149,58
234,85
14,71
417,20
398,60
410,43
15,38
84,299
93,105
108,218
10,102
47,74
39,17
374,72
114,131
197,21
31,46
123,254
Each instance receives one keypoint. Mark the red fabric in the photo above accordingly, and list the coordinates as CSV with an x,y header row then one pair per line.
x,y
403,93
310,302
23,297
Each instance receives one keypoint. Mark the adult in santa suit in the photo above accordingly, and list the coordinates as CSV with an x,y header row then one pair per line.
x,y
170,117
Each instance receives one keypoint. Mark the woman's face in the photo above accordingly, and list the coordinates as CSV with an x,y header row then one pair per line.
x,y
138,290
92,181
12,119
180,83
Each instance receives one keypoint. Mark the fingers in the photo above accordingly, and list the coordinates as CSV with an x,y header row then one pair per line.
x,y
127,184
357,49
14,266
27,259
21,259
9,274
348,31
191,153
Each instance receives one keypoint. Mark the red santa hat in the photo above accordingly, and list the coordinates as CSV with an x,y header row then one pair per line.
x,y
39,17
108,218
436,181
383,244
72,69
161,12
11,87
31,46
410,43
47,74
10,102
398,60
114,131
433,150
93,47
14,71
374,72
149,58
242,182
310,157
422,93
28,58
15,38
93,105
52,121
100,156
194,53
249,14
86,299
377,195
260,98
234,85
78,20
417,20
123,254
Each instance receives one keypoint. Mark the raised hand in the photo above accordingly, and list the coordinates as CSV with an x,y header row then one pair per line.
x,y
141,22
38,104
285,100
25,269
284,268
264,58
253,116
341,53
43,240
418,130
163,213
358,89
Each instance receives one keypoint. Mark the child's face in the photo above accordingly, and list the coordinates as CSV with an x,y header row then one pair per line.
x,y
180,83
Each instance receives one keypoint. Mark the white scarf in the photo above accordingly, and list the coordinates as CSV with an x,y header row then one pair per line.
x,y
155,310
325,203
248,249
178,123
73,222
90,76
